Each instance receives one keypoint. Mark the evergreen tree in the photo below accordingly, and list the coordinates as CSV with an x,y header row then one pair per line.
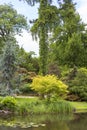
x,y
74,51
8,64
46,21
68,36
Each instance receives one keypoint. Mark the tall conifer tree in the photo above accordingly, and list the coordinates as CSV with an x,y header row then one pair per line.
x,y
47,19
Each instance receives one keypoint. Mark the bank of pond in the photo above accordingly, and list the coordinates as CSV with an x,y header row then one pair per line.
x,y
20,113
33,105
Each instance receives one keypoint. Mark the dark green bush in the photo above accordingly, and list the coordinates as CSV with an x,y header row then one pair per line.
x,y
78,85
26,89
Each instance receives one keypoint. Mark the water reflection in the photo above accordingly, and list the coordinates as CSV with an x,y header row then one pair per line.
x,y
80,123
45,122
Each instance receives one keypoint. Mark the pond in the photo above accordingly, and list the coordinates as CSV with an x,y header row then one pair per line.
x,y
44,122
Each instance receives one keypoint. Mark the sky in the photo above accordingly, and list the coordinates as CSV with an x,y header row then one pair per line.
x,y
26,40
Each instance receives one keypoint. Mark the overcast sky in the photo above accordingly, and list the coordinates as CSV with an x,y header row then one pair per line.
x,y
32,13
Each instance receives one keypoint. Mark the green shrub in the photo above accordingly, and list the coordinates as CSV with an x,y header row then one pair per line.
x,y
64,70
30,107
49,85
23,109
26,89
78,85
8,103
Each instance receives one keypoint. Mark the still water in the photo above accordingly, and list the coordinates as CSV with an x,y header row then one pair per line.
x,y
45,122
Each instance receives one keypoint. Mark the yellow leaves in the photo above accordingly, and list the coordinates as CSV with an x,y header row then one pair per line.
x,y
49,84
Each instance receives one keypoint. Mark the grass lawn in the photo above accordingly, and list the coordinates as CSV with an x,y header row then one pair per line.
x,y
26,99
79,106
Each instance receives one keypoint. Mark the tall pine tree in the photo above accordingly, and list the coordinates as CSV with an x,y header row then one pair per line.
x,y
68,35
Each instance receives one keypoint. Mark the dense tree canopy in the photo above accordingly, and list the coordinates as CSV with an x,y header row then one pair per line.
x,y
11,23
68,34
68,37
28,60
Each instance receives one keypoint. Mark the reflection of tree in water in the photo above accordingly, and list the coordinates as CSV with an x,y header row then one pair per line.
x,y
80,123
52,122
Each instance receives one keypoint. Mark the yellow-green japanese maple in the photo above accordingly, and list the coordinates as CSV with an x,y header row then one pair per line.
x,y
49,85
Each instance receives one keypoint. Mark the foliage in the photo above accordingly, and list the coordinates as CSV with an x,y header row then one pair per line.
x,y
53,69
60,107
68,38
26,89
35,106
28,60
31,2
11,23
47,19
3,91
43,107
68,34
72,73
73,46
64,70
49,85
8,64
8,103
78,85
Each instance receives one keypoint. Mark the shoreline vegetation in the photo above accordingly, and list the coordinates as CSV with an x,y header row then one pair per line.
x,y
33,105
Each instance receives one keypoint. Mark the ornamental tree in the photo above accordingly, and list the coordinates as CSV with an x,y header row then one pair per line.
x,y
49,85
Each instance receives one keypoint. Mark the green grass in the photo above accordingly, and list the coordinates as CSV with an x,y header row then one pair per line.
x,y
26,100
36,106
79,106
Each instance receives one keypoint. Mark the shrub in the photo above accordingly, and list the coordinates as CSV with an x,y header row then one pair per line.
x,y
3,90
78,85
8,103
49,85
26,89
53,69
23,109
